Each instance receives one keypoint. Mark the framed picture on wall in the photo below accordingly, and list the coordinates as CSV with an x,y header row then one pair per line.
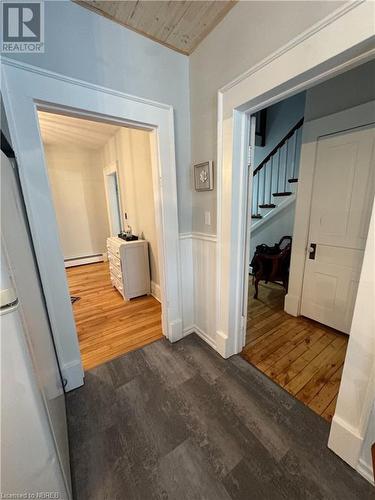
x,y
203,176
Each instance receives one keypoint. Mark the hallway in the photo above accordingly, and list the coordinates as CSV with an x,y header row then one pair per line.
x,y
304,357
177,421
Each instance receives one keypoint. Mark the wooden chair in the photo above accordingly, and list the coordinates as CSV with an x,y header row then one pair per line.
x,y
272,263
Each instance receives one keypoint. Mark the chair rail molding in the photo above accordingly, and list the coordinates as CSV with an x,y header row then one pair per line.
x,y
282,74
27,88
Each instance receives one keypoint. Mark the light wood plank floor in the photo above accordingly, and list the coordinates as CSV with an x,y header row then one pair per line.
x,y
305,357
107,325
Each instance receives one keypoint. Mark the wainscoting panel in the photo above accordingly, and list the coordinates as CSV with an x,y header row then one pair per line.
x,y
204,265
186,256
198,264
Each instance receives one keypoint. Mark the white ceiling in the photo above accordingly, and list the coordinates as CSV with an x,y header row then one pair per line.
x,y
68,131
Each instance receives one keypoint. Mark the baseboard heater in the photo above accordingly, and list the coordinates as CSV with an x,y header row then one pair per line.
x,y
85,259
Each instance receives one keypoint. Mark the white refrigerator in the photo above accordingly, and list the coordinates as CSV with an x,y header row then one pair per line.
x,y
34,441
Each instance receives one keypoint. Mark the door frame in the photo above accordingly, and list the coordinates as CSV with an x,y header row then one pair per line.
x,y
28,88
357,116
284,73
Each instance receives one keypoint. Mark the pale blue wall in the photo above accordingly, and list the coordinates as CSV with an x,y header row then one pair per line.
x,y
281,117
82,44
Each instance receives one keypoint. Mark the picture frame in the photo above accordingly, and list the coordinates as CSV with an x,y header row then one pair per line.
x,y
203,176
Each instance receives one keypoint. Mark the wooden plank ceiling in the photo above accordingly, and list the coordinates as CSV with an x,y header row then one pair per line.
x,y
180,25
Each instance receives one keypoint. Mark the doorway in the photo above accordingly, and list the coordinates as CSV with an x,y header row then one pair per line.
x,y
49,92
305,354
112,270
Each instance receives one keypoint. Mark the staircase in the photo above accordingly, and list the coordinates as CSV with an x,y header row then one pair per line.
x,y
274,181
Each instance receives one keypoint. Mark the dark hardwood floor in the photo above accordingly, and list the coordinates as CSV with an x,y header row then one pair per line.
x,y
178,422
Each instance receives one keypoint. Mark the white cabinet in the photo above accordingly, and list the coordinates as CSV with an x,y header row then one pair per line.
x,y
129,267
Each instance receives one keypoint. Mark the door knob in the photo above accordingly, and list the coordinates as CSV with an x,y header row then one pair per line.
x,y
312,251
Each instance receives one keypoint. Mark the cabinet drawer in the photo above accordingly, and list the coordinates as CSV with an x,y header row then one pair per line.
x,y
114,259
115,271
113,248
116,283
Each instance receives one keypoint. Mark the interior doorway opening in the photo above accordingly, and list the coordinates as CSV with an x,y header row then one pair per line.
x,y
101,182
298,336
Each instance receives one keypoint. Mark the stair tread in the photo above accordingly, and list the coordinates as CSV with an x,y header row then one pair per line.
x,y
283,193
256,216
267,205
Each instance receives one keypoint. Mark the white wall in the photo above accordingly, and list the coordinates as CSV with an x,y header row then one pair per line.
x,y
250,32
84,45
76,178
132,150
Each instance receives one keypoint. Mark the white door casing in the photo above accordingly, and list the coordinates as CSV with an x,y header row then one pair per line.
x,y
25,90
282,74
343,193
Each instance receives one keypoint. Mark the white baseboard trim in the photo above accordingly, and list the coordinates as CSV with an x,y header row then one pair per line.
x,y
73,374
175,332
203,335
345,441
366,471
199,236
80,261
155,291
222,344
188,330
292,304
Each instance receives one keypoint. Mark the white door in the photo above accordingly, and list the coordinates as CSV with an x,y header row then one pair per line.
x,y
20,255
343,193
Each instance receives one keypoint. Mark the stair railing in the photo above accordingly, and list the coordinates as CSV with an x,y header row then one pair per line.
x,y
282,162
